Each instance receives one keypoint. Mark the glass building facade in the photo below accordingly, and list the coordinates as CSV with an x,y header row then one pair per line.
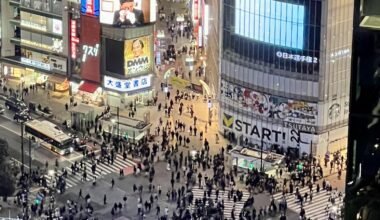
x,y
363,162
285,73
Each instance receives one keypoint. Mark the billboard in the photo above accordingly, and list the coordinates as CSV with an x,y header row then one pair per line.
x,y
90,7
90,49
127,13
127,85
285,34
290,112
138,55
289,26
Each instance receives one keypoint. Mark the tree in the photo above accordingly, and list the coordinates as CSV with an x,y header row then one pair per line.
x,y
3,150
7,183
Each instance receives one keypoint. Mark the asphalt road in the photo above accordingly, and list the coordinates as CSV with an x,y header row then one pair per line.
x,y
11,131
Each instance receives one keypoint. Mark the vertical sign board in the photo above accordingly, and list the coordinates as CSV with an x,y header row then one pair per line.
x,y
90,48
74,40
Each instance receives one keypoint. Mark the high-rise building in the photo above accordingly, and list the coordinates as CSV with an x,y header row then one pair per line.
x,y
363,157
285,74
34,42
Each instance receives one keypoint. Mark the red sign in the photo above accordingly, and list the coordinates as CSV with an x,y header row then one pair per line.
x,y
74,40
90,48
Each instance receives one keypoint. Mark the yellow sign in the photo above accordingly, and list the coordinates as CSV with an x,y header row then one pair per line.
x,y
228,120
176,81
138,55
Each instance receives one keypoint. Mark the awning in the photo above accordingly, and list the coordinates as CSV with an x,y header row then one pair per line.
x,y
88,87
55,78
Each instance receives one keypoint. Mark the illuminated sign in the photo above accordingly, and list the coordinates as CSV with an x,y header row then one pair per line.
x,y
195,10
271,21
138,55
90,7
206,20
89,51
124,13
127,85
269,133
296,57
34,63
56,47
74,40
57,26
340,53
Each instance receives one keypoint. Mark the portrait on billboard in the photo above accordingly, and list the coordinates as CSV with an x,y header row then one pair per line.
x,y
137,55
127,13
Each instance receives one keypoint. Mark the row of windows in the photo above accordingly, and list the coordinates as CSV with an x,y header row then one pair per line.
x,y
52,6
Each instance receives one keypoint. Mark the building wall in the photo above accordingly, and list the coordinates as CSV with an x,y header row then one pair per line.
x,y
297,88
212,47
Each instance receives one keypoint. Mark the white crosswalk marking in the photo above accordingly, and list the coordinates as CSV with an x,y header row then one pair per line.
x,y
315,209
102,169
223,195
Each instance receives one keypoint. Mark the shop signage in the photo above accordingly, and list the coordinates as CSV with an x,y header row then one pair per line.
x,y
127,85
296,57
58,64
300,127
91,51
34,63
74,40
195,10
269,133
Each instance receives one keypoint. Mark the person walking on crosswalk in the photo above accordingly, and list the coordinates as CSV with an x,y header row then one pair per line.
x,y
112,183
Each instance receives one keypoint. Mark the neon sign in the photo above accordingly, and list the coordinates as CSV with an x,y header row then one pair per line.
x,y
74,40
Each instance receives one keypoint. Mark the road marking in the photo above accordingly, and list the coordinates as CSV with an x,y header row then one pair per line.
x,y
15,132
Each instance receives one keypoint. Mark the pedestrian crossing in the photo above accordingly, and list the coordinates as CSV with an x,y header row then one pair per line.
x,y
102,169
316,209
228,203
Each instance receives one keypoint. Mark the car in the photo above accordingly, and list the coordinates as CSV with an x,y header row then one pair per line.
x,y
15,104
22,117
80,147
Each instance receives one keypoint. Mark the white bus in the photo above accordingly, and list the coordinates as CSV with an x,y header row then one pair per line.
x,y
49,136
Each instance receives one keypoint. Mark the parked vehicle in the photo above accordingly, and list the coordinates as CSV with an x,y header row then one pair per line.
x,y
15,104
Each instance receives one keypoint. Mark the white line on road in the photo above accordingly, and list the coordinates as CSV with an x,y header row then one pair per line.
x,y
13,131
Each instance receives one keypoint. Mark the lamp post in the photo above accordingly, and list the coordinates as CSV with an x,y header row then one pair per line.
x,y
261,155
22,147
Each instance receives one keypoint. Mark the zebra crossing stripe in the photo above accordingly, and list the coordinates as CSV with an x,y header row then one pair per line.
x,y
102,169
223,195
315,209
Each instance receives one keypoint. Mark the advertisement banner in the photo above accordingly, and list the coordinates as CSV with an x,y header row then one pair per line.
x,y
127,13
127,85
261,104
269,133
90,7
90,50
138,55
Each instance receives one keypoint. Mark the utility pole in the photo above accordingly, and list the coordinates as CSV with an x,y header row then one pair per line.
x,y
22,148
118,122
30,157
261,155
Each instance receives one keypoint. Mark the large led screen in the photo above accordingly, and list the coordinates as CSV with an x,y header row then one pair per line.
x,y
138,55
283,33
283,22
114,56
127,13
90,7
